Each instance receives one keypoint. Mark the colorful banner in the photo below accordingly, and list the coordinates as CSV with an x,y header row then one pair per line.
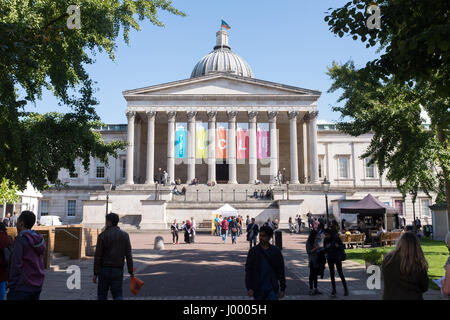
x,y
263,142
221,142
180,141
201,151
241,143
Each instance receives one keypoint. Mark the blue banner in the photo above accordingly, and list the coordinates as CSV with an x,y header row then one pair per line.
x,y
180,142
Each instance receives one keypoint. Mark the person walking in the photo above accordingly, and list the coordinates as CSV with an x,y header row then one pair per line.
x,y
299,223
405,270
291,226
4,244
247,221
224,225
26,271
174,230
335,252
234,230
264,269
310,221
316,261
113,247
187,231
193,229
240,221
13,220
217,231
252,232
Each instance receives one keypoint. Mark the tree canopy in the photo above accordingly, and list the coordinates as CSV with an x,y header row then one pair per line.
x,y
38,51
386,96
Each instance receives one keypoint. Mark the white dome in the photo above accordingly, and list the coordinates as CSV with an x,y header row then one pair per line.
x,y
222,59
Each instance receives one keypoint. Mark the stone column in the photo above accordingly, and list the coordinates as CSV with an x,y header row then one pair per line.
x,y
212,146
293,141
171,145
305,148
191,146
150,172
273,145
313,145
252,156
131,115
232,147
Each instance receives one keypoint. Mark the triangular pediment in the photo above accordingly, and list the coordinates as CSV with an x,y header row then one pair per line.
x,y
220,84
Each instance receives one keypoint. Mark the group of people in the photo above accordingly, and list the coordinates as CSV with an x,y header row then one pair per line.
x,y
189,229
228,226
263,195
10,220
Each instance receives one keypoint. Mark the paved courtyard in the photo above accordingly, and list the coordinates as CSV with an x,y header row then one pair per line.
x,y
205,270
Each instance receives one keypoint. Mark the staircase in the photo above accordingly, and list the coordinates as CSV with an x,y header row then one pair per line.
x,y
60,262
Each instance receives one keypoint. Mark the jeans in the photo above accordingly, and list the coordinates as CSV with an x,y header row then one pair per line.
x,y
253,242
233,237
313,274
2,290
175,236
110,278
341,273
268,295
23,295
224,236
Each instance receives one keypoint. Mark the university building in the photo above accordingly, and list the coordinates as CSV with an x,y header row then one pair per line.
x,y
234,133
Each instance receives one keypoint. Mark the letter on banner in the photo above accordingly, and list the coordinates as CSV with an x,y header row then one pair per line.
x,y
242,143
263,143
201,150
180,142
221,143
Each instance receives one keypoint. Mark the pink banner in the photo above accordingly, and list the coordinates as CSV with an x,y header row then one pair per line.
x,y
263,144
241,144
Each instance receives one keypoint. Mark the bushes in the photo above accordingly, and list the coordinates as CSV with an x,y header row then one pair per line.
x,y
374,256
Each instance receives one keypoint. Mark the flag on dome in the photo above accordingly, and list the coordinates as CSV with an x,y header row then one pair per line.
x,y
225,25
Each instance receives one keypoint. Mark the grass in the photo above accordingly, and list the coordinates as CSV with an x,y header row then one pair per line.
x,y
436,253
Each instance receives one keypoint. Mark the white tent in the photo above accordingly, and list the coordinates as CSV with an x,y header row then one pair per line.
x,y
227,211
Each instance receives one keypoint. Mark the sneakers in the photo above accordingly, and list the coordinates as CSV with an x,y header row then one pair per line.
x,y
316,291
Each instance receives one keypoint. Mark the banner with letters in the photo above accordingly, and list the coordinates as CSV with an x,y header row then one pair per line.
x,y
201,150
241,143
263,141
180,141
221,141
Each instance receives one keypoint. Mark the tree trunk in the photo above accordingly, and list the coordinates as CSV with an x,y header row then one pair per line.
x,y
442,139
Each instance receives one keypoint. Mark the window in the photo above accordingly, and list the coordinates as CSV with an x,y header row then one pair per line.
x,y
343,167
124,168
398,204
100,169
44,207
370,170
425,208
71,204
321,167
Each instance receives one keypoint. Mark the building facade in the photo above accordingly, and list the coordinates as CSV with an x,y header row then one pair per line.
x,y
236,135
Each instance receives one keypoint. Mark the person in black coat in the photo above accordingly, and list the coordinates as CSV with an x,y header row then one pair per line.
x,y
252,232
335,251
264,269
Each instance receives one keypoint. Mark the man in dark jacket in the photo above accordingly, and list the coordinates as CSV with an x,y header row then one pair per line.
x,y
264,269
26,273
252,232
113,246
335,251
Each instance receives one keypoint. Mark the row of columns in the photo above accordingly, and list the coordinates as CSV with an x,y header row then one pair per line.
x,y
311,118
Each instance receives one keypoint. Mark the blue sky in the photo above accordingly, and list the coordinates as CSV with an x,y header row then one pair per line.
x,y
285,41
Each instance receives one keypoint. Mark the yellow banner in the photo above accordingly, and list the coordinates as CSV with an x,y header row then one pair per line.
x,y
201,151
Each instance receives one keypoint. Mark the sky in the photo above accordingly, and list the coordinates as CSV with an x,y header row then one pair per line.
x,y
284,41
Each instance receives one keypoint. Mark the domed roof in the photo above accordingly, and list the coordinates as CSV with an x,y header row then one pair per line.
x,y
222,59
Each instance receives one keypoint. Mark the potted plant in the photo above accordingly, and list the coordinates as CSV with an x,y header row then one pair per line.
x,y
373,257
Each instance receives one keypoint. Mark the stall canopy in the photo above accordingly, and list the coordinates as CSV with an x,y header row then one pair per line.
x,y
227,211
369,206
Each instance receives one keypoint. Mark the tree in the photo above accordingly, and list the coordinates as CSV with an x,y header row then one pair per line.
x,y
386,95
8,192
38,50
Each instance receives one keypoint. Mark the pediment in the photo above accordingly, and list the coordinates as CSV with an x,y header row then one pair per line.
x,y
221,84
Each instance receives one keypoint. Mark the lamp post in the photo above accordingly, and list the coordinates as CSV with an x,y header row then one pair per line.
x,y
107,185
325,188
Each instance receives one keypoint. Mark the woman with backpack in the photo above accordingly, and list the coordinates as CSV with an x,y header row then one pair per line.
x,y
335,251
4,244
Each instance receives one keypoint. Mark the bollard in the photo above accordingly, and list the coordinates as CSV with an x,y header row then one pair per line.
x,y
159,243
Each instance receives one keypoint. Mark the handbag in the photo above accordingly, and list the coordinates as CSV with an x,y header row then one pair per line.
x,y
234,230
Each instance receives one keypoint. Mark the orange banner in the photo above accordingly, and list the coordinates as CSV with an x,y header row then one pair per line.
x,y
221,143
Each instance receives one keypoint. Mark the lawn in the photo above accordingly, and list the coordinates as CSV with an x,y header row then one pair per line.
x,y
436,253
